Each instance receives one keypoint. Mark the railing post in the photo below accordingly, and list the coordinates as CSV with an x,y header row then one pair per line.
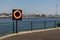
x,y
16,26
13,27
44,24
55,23
31,25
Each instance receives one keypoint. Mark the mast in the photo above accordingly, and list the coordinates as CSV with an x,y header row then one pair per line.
x,y
56,9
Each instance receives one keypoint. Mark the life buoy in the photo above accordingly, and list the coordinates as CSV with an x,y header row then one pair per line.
x,y
20,14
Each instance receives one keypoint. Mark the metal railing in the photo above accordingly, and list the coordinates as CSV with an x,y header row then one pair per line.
x,y
9,27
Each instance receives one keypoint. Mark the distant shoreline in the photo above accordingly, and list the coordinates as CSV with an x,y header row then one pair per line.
x,y
32,17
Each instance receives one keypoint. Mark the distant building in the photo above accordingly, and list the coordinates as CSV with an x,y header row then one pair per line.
x,y
43,15
3,15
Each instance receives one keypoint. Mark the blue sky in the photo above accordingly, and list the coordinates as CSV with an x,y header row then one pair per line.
x,y
30,6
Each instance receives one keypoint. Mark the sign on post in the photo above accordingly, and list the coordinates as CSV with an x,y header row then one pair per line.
x,y
17,14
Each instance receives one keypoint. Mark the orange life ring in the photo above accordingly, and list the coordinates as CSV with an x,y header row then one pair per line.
x,y
19,15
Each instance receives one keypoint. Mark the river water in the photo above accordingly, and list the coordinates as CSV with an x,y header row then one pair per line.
x,y
6,24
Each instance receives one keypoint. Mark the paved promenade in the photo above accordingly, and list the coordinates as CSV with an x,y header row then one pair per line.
x,y
46,34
